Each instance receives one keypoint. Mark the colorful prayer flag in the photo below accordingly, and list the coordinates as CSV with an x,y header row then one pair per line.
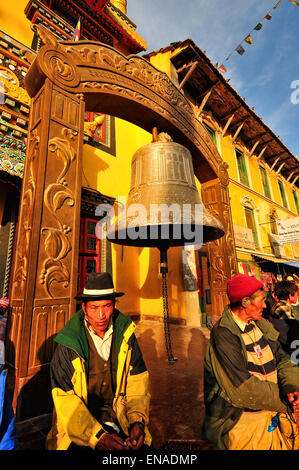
x,y
249,39
76,35
240,49
222,68
268,17
229,56
275,6
295,2
258,26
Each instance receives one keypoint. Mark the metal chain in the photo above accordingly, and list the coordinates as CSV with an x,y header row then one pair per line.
x,y
166,320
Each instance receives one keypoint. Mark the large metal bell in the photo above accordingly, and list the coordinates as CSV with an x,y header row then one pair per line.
x,y
163,207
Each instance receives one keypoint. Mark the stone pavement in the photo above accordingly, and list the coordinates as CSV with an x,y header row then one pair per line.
x,y
177,406
32,434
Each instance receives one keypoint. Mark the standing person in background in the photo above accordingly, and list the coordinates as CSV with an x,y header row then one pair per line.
x,y
4,306
287,294
282,315
249,382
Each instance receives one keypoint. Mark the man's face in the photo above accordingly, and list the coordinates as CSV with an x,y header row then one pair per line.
x,y
253,308
98,314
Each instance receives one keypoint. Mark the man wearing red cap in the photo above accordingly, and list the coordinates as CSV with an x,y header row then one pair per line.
x,y
250,382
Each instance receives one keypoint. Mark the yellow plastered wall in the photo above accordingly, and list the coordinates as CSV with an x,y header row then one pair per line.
x,y
162,61
229,156
263,206
290,197
14,22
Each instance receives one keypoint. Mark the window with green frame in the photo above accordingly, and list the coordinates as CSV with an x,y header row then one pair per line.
x,y
265,182
211,132
242,167
250,222
283,195
296,200
273,226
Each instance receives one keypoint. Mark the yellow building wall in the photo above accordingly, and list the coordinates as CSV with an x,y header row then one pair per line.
x,y
263,206
162,62
14,22
229,156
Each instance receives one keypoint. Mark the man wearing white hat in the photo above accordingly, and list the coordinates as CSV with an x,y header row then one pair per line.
x,y
98,376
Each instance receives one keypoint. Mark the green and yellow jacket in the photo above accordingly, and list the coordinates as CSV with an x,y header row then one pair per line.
x,y
230,389
72,421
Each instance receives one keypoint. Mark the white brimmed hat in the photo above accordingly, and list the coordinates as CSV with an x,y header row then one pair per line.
x,y
99,286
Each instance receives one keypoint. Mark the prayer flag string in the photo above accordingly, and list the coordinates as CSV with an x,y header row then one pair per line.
x,y
249,39
77,30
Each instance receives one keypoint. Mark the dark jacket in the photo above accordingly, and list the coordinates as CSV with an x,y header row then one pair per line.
x,y
283,320
72,420
229,388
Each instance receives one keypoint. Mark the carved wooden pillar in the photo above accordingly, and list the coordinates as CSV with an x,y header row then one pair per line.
x,y
222,252
46,262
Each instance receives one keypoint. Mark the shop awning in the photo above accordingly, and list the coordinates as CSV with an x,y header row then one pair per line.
x,y
273,259
293,263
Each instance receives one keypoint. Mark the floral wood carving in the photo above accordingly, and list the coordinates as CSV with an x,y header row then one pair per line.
x,y
27,213
56,242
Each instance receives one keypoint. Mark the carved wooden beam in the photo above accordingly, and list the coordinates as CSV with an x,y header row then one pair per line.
x,y
253,148
271,157
207,90
239,130
261,153
278,171
274,164
258,136
294,181
203,103
292,174
192,68
268,141
227,115
227,125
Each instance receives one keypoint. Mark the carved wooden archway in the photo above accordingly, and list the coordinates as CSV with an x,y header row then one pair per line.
x,y
65,79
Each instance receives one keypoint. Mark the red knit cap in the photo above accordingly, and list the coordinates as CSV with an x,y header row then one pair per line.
x,y
241,286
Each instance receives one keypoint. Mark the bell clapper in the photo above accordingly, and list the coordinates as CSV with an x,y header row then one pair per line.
x,y
155,134
164,271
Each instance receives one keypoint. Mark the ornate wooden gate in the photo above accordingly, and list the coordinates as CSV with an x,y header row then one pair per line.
x,y
66,79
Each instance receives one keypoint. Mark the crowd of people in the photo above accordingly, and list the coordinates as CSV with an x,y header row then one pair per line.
x,y
100,383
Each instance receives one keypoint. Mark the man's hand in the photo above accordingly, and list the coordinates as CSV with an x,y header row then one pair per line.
x,y
111,442
136,436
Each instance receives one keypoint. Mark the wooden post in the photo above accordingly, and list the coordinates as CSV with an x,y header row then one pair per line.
x,y
222,252
46,262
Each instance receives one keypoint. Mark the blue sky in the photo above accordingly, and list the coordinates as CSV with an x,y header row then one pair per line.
x,y
264,75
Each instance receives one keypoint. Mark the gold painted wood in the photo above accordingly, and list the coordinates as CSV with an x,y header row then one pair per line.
x,y
46,263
